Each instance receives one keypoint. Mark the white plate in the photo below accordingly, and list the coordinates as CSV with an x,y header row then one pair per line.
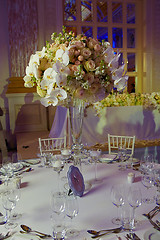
x,y
17,167
107,157
32,161
134,160
152,234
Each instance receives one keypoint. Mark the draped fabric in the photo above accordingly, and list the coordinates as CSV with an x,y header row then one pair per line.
x,y
23,34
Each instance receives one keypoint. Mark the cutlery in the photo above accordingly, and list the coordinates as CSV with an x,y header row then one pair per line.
x,y
29,230
133,236
152,212
35,234
5,236
117,230
94,232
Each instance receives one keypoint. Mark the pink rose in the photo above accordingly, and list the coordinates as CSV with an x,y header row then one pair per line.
x,y
86,52
97,47
79,44
95,87
92,43
89,65
77,62
74,68
89,77
80,58
80,92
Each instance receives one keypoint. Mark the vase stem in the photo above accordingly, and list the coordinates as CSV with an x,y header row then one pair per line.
x,y
76,114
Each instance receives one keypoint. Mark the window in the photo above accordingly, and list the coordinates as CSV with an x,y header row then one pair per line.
x,y
116,21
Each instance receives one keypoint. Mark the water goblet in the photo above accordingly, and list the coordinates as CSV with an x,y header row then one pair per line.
x,y
147,181
58,165
94,154
71,211
134,200
8,206
117,199
57,202
7,168
14,185
122,156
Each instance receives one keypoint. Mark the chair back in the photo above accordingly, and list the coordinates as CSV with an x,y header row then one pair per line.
x,y
50,145
114,142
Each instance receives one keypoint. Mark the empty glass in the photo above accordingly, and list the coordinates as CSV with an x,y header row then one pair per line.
x,y
117,199
135,200
95,157
71,210
122,156
9,205
147,181
57,217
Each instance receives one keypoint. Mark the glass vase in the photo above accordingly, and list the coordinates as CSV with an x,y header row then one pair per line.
x,y
76,115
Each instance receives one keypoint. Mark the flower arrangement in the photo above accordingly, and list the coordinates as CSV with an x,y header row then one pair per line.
x,y
147,100
75,66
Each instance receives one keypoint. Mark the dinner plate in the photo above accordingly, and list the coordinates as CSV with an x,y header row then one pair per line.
x,y
17,167
152,234
107,157
32,161
133,160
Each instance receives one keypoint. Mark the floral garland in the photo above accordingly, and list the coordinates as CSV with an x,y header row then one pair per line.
x,y
147,100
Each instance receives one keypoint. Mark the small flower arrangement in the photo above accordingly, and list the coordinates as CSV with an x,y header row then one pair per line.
x,y
76,67
147,100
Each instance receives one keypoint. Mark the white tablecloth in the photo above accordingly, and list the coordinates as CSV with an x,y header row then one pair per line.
x,y
95,207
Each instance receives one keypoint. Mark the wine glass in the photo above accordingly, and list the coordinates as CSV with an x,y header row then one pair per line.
x,y
117,199
57,203
7,167
14,185
134,200
122,152
95,156
8,206
147,181
71,210
58,165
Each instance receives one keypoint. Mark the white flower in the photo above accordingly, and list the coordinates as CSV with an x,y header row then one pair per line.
x,y
62,56
118,73
109,54
121,83
28,82
49,75
41,54
62,73
55,95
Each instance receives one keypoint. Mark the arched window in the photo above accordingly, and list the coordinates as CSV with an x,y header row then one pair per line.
x,y
116,21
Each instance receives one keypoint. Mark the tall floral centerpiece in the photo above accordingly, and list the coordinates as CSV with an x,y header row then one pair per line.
x,y
75,70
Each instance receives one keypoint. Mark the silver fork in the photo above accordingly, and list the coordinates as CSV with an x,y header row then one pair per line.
x,y
5,236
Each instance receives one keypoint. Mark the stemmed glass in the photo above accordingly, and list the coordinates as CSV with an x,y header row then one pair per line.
x,y
147,181
122,152
117,199
8,206
57,165
71,210
95,156
134,200
7,167
57,218
14,185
